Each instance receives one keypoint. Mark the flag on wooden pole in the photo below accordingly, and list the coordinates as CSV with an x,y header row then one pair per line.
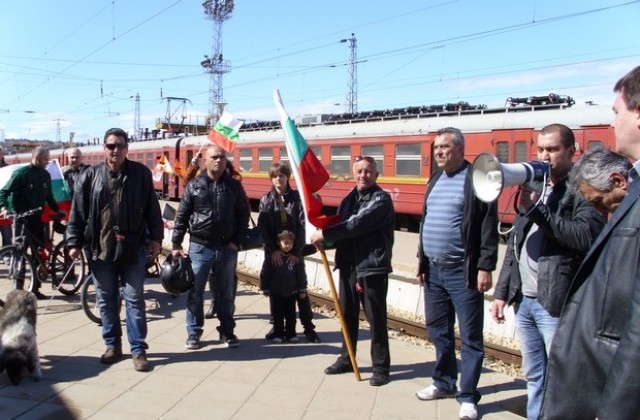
x,y
307,170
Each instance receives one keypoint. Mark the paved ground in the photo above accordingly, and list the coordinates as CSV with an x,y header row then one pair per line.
x,y
256,380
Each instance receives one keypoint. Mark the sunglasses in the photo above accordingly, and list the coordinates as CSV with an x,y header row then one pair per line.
x,y
218,157
361,158
112,146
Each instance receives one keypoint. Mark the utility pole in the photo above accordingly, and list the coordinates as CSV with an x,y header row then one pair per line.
x,y
352,94
218,11
58,138
137,134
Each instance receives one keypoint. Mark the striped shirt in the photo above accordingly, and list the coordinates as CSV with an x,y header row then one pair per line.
x,y
441,233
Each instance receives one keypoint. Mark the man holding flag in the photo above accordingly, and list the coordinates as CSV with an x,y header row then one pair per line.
x,y
363,232
364,240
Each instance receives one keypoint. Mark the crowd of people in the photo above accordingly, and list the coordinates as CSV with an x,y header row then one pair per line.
x,y
570,268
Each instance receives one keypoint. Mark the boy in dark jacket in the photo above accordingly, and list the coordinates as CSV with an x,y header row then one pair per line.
x,y
283,285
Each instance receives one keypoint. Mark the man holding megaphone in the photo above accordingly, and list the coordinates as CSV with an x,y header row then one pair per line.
x,y
552,234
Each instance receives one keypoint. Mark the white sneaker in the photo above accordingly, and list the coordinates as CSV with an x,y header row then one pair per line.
x,y
433,393
468,411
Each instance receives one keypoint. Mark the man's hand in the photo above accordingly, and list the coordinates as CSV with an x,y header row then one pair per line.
x,y
485,281
317,238
276,258
176,253
75,253
420,279
154,248
4,212
497,310
527,198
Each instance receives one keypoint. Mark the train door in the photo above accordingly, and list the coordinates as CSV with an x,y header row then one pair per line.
x,y
590,138
165,177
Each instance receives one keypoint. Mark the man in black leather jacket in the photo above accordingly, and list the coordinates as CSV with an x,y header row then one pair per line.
x,y
548,242
114,210
214,211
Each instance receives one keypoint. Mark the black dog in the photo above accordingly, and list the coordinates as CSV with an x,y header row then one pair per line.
x,y
18,347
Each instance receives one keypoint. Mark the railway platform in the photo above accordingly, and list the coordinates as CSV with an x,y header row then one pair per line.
x,y
256,380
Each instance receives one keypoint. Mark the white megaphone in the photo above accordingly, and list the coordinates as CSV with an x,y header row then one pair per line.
x,y
490,176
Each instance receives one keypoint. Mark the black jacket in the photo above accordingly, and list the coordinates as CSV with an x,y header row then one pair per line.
x,y
364,238
214,212
595,354
286,280
479,233
569,224
270,220
139,212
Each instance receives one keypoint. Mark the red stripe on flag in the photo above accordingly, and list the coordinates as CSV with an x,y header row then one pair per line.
x,y
221,141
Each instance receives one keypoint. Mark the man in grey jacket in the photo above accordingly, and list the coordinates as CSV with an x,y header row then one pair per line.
x,y
548,242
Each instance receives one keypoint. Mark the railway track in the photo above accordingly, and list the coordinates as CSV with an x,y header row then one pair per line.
x,y
405,326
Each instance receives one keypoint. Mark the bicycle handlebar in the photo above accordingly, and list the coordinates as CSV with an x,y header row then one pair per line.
x,y
16,216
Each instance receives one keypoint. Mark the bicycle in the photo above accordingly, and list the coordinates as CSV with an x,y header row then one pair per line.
x,y
88,297
30,261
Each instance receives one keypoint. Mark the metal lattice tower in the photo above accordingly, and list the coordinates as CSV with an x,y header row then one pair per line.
x,y
58,137
352,94
137,131
218,11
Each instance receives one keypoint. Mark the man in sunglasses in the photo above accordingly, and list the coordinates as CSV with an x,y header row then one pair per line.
x,y
114,210
364,241
214,210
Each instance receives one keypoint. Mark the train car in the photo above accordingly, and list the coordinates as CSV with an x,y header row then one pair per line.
x,y
402,143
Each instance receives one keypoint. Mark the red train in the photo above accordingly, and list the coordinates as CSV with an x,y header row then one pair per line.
x,y
401,143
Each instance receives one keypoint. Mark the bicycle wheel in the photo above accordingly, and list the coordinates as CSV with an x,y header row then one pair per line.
x,y
66,273
18,267
89,299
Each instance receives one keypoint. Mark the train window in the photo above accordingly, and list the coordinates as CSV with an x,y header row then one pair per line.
x,y
318,152
284,156
245,160
408,160
341,160
376,152
265,159
521,151
595,144
189,158
502,151
151,160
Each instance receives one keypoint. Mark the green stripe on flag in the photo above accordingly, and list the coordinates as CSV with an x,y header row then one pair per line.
x,y
228,132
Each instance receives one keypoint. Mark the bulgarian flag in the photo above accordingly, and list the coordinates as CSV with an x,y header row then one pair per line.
x,y
225,132
59,187
307,170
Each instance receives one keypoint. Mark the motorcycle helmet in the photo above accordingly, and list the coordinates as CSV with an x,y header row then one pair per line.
x,y
177,275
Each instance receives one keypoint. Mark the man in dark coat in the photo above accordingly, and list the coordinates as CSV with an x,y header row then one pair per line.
x,y
595,355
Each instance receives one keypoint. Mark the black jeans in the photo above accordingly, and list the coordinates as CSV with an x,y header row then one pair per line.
x,y
374,301
284,315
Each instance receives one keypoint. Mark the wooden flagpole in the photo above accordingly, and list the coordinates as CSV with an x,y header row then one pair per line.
x,y
343,325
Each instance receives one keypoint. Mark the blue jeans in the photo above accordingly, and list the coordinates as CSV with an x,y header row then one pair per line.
x,y
222,261
109,277
445,296
536,329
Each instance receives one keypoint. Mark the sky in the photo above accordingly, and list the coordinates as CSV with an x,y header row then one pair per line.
x,y
76,66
